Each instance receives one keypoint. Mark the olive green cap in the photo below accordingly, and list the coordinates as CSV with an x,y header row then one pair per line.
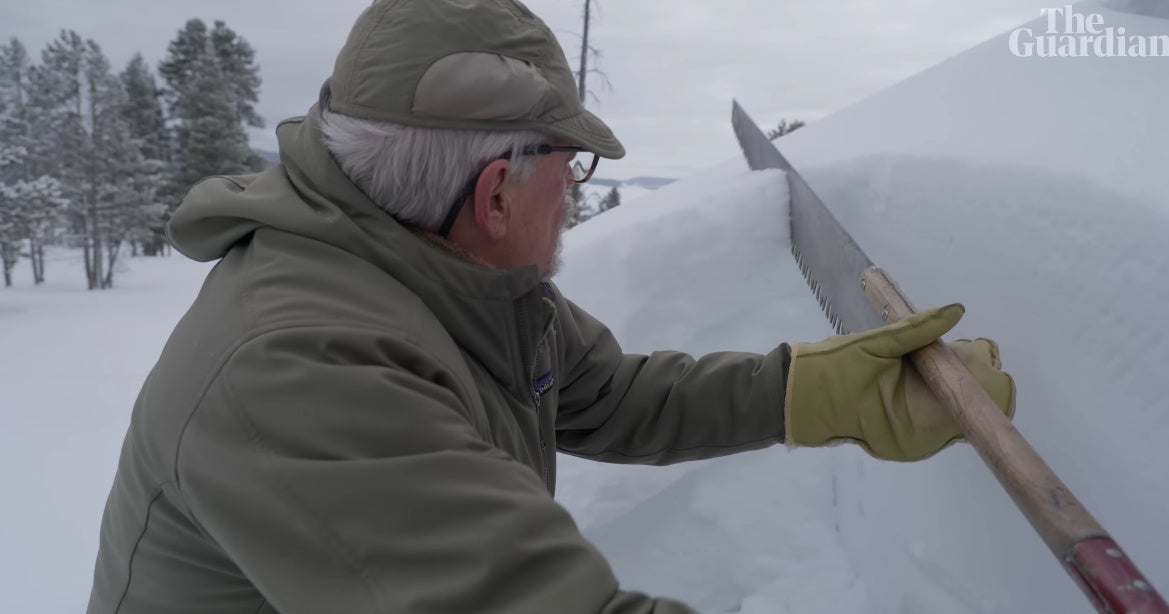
x,y
463,64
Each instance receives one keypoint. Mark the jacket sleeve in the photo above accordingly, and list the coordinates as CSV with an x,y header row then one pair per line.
x,y
666,407
339,482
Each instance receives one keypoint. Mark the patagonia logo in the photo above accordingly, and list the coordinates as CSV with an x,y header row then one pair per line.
x,y
543,383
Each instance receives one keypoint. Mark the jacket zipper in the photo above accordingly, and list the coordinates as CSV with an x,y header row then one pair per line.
x,y
523,321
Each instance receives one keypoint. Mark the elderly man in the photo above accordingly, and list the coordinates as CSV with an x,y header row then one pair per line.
x,y
361,410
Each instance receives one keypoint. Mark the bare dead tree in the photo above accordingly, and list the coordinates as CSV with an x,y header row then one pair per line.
x,y
587,51
584,52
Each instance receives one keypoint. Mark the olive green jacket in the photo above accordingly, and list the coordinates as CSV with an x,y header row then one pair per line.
x,y
352,419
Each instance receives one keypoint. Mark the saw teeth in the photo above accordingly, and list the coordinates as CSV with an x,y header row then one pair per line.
x,y
761,153
833,320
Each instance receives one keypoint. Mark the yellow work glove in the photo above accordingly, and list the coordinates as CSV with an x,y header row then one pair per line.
x,y
864,388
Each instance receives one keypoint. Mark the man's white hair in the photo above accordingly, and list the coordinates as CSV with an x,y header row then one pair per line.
x,y
415,174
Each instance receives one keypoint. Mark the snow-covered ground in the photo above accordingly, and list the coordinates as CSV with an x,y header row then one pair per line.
x,y
1033,190
71,366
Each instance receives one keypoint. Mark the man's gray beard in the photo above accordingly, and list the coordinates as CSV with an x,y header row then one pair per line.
x,y
570,209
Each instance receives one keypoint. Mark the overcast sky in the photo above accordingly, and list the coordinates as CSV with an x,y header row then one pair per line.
x,y
673,65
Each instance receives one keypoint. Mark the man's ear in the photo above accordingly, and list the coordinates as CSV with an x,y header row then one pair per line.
x,y
492,202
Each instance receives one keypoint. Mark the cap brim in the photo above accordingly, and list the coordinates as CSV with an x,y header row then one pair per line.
x,y
588,131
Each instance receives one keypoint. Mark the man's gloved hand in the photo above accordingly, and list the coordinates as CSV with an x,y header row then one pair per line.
x,y
863,388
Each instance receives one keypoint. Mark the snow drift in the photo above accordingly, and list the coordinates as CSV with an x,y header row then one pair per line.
x,y
1033,190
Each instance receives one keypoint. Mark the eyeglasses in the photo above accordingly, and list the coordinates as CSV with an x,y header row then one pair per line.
x,y
577,173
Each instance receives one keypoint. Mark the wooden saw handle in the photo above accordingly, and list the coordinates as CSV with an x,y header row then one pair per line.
x,y
1090,556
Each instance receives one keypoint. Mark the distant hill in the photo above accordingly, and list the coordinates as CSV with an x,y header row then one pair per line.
x,y
648,183
272,157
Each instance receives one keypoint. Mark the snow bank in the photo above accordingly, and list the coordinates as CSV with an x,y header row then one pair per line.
x,y
1070,278
703,266
1033,190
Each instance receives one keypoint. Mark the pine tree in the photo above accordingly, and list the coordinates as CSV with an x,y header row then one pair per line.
x,y
14,134
12,230
237,63
784,128
147,124
12,155
611,200
85,144
71,153
210,139
131,180
122,181
56,92
35,208
33,201
144,109
212,85
59,136
13,215
189,46
583,210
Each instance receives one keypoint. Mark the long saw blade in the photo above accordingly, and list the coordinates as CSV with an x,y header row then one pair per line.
x,y
829,258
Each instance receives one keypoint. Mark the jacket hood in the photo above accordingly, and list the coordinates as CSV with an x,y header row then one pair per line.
x,y
309,195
